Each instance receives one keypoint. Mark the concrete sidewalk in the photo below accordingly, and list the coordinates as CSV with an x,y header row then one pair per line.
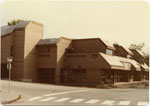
x,y
135,84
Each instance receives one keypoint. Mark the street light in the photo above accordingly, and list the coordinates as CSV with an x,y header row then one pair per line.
x,y
9,60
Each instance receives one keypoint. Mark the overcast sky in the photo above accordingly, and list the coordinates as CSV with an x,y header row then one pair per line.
x,y
116,21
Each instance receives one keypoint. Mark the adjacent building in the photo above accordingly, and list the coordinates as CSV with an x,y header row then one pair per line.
x,y
90,61
139,57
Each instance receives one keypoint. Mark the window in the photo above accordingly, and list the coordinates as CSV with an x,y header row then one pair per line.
x,y
11,50
108,51
94,56
75,72
44,51
77,55
44,55
128,56
69,50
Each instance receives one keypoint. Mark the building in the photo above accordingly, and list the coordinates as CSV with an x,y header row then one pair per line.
x,y
139,57
90,61
20,42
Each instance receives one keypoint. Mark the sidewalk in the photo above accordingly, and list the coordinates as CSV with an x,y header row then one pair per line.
x,y
8,97
134,84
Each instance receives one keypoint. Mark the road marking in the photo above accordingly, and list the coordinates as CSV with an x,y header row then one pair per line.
x,y
48,99
35,98
92,101
108,102
65,92
62,100
124,103
77,100
142,103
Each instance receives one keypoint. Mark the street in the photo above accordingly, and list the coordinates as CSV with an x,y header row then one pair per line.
x,y
46,94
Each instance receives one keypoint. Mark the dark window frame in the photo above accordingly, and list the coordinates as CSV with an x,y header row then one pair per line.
x,y
94,55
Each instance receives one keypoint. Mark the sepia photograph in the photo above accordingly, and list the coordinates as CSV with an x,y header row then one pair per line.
x,y
74,53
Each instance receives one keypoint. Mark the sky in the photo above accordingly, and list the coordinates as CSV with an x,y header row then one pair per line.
x,y
122,22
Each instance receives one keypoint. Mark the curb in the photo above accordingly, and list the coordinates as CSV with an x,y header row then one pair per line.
x,y
14,100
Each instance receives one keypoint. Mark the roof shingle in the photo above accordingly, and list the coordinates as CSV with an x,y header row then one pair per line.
x,y
8,29
48,41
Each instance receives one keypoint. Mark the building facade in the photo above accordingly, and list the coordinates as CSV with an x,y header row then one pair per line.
x,y
62,60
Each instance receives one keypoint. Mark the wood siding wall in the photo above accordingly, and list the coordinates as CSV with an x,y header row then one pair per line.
x,y
6,42
120,52
50,61
18,55
33,33
93,66
88,46
61,47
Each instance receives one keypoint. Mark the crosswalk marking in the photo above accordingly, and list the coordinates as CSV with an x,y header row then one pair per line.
x,y
48,99
108,102
124,103
35,98
62,100
65,92
77,100
142,103
92,101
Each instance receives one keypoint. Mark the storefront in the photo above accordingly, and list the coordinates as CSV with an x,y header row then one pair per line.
x,y
46,75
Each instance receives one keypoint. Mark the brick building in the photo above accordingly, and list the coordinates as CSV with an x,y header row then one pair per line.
x,y
66,61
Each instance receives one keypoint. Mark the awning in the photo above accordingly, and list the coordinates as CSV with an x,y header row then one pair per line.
x,y
115,63
121,62
145,67
135,64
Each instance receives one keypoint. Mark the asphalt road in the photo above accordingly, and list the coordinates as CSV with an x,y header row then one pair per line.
x,y
44,94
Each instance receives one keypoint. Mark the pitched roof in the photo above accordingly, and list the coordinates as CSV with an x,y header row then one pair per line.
x,y
135,64
48,41
128,50
140,52
108,44
8,29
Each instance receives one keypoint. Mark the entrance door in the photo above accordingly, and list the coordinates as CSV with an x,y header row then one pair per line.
x,y
46,75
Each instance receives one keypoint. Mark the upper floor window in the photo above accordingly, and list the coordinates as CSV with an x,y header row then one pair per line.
x,y
108,51
69,50
94,56
11,50
44,49
128,56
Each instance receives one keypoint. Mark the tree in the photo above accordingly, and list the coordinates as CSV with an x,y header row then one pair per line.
x,y
14,22
146,59
115,44
137,47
